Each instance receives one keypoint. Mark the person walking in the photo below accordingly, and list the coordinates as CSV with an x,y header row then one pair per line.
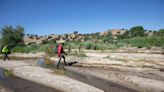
x,y
5,51
61,54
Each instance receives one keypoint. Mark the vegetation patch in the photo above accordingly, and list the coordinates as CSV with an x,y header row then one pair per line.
x,y
75,43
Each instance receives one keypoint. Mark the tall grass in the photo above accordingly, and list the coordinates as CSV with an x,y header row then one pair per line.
x,y
139,42
147,42
23,49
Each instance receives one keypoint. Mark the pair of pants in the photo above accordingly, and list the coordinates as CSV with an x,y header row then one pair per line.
x,y
61,56
5,56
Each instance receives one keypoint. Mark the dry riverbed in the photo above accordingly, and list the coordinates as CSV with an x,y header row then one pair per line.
x,y
140,71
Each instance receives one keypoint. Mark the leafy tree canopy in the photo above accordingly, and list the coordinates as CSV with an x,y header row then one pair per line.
x,y
11,36
137,31
161,32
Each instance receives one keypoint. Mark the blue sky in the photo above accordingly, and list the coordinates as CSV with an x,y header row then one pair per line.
x,y
44,17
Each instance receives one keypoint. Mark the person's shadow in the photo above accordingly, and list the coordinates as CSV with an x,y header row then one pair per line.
x,y
71,63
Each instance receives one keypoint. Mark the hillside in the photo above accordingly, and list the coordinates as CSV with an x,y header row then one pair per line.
x,y
29,39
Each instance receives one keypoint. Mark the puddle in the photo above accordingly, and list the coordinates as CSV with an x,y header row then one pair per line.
x,y
5,74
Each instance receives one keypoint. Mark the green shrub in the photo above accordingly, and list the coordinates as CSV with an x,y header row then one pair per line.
x,y
43,47
48,51
145,41
102,46
23,49
88,45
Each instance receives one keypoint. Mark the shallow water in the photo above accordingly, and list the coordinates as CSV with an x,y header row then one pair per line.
x,y
5,74
20,85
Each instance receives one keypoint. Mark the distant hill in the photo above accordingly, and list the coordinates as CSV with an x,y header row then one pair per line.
x,y
30,39
114,32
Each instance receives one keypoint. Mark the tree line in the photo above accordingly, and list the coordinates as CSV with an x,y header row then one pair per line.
x,y
14,35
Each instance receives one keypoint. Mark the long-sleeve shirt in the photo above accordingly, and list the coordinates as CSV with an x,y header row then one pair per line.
x,y
60,49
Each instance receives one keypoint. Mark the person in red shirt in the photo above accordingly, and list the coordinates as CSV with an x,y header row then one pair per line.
x,y
61,54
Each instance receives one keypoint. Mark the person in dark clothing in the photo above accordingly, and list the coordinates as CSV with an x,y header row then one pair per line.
x,y
5,51
61,54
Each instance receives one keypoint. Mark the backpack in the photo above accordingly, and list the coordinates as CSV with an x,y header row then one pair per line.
x,y
1,49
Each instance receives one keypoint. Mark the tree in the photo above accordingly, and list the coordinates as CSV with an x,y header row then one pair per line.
x,y
19,34
86,38
108,38
124,35
12,36
161,32
75,32
137,31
